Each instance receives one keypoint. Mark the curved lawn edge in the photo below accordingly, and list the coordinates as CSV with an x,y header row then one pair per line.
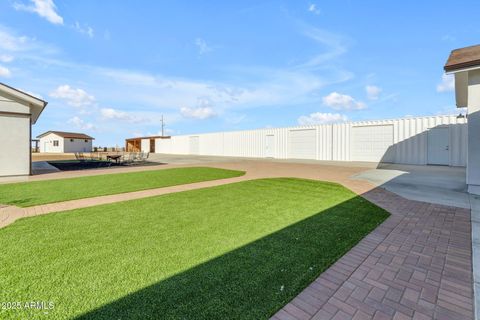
x,y
32,193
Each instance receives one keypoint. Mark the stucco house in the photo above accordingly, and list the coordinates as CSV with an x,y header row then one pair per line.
x,y
65,142
464,65
18,112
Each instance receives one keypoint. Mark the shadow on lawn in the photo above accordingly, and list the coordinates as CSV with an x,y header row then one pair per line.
x,y
253,281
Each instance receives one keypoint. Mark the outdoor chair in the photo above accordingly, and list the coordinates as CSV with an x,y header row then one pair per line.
x,y
80,156
128,158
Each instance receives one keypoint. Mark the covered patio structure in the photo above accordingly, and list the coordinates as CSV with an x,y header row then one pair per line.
x,y
145,144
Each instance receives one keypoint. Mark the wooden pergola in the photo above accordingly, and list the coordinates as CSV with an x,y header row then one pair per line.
x,y
135,144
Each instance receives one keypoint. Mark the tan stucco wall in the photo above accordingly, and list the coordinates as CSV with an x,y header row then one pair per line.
x,y
14,138
8,105
473,157
15,145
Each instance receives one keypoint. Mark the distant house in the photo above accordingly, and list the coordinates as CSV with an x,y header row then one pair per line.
x,y
65,142
18,112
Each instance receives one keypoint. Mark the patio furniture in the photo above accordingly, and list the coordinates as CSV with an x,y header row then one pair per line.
x,y
114,157
80,156
127,158
141,156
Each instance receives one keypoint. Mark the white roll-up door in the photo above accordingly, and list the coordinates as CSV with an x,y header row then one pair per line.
x,y
302,144
372,143
194,145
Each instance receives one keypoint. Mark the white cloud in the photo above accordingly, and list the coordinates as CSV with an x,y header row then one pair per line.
x,y
44,8
86,29
6,58
334,46
10,42
313,9
73,97
321,118
4,72
110,113
202,46
448,37
373,92
447,84
339,101
158,94
198,113
80,124
14,45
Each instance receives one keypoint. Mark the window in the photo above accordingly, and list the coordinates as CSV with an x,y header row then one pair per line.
x,y
86,140
55,143
71,140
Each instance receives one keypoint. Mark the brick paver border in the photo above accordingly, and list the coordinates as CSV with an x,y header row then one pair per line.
x,y
416,265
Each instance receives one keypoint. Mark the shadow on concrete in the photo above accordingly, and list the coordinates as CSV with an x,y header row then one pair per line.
x,y
411,177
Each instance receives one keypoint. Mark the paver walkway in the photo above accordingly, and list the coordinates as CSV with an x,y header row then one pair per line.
x,y
253,169
416,265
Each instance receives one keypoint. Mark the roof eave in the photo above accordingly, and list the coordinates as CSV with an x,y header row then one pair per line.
x,y
461,68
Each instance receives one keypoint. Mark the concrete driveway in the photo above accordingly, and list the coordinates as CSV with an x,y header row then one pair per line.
x,y
434,184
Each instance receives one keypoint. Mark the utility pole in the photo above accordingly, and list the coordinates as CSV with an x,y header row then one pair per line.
x,y
163,127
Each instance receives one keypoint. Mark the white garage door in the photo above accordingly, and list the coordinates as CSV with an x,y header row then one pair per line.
x,y
302,144
372,143
194,145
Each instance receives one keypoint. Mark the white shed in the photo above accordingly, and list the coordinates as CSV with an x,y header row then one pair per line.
x,y
64,142
18,111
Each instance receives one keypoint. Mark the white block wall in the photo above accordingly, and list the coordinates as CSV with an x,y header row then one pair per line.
x,y
145,145
333,141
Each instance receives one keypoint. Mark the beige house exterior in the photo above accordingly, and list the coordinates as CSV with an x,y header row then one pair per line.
x,y
18,112
464,65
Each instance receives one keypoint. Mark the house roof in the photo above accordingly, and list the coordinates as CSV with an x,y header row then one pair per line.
x,y
36,104
71,135
463,58
149,137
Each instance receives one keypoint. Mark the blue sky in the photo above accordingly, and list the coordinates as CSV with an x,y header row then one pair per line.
x,y
113,68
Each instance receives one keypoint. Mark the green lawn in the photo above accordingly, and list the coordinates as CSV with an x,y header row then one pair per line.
x,y
28,194
237,251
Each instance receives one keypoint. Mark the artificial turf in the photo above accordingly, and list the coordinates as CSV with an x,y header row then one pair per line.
x,y
26,194
236,251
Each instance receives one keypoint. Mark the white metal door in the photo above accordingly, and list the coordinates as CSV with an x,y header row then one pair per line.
x,y
372,143
270,146
194,145
302,144
439,146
